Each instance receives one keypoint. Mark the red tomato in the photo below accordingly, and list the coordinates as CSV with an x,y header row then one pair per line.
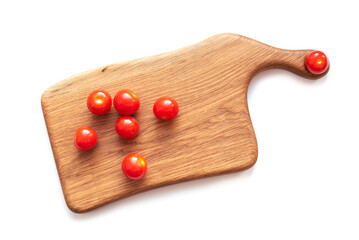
x,y
85,138
316,62
99,102
126,102
165,108
134,166
127,127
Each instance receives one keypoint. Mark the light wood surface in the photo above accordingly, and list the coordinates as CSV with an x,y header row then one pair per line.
x,y
212,134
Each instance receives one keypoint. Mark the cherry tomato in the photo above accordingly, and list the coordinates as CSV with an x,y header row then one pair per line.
x,y
85,138
126,102
99,102
316,62
165,108
134,166
127,127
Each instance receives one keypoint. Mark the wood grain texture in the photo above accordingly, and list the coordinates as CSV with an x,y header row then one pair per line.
x,y
208,79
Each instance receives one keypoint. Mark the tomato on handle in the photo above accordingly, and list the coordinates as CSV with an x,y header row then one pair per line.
x,y
316,62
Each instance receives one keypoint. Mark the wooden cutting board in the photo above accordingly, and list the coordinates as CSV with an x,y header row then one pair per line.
x,y
212,134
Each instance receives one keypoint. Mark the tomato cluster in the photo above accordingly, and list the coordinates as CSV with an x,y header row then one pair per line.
x,y
165,108
126,103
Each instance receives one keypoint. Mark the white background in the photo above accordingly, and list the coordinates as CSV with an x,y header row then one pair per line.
x,y
305,182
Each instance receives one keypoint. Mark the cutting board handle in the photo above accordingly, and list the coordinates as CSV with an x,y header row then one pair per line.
x,y
260,56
